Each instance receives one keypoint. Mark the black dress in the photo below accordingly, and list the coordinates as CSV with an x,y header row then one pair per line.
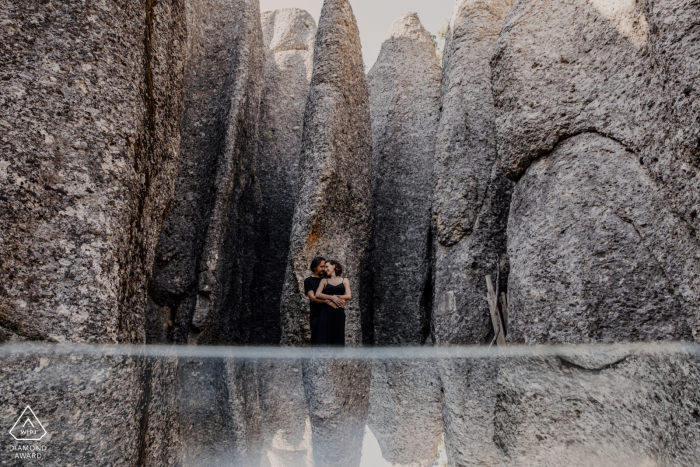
x,y
311,285
331,323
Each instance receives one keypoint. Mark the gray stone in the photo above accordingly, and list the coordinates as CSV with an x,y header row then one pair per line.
x,y
332,210
89,155
90,111
286,424
633,411
289,41
612,72
205,254
591,238
404,87
470,207
405,412
338,394
594,124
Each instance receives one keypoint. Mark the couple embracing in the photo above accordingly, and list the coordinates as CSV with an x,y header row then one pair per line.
x,y
328,292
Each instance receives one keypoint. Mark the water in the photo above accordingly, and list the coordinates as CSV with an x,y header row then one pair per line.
x,y
621,405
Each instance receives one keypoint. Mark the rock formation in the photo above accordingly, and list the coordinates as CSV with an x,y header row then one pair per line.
x,y
332,211
91,100
332,218
634,108
404,88
289,40
595,126
202,274
470,206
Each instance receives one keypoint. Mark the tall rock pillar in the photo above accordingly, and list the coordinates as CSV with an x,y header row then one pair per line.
x,y
404,87
89,135
289,44
202,274
333,206
332,217
470,207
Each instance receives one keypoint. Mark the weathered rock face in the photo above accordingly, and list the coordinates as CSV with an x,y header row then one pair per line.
x,y
404,86
405,411
594,124
332,211
630,411
338,394
90,112
471,198
201,279
595,274
289,41
606,74
470,207
90,151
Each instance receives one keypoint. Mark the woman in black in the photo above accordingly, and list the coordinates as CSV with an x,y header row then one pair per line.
x,y
336,290
310,287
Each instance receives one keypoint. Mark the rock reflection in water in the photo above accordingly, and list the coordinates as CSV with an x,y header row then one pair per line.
x,y
527,406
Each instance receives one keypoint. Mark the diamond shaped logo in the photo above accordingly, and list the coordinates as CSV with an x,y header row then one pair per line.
x,y
28,427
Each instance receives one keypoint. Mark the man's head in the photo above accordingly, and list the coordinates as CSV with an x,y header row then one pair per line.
x,y
318,265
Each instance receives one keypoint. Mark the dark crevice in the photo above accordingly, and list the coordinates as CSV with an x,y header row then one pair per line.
x,y
144,407
20,330
571,365
562,138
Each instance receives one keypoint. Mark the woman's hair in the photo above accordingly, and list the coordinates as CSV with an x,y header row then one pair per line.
x,y
314,264
338,267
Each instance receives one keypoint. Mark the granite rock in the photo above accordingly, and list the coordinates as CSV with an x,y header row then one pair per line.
x,y
405,411
596,127
599,273
90,144
471,199
337,391
635,410
91,102
289,42
200,290
333,205
613,73
404,89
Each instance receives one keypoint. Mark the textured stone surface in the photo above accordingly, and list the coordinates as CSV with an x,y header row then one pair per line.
x,y
471,197
289,42
404,87
596,125
200,290
602,272
470,207
89,144
95,409
613,71
628,411
338,394
90,107
405,412
332,211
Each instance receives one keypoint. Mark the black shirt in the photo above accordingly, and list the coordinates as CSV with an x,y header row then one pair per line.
x,y
311,285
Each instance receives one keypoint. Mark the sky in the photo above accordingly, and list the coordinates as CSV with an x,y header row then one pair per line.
x,y
375,16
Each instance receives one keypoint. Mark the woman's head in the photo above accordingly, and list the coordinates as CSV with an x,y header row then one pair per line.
x,y
334,267
318,265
